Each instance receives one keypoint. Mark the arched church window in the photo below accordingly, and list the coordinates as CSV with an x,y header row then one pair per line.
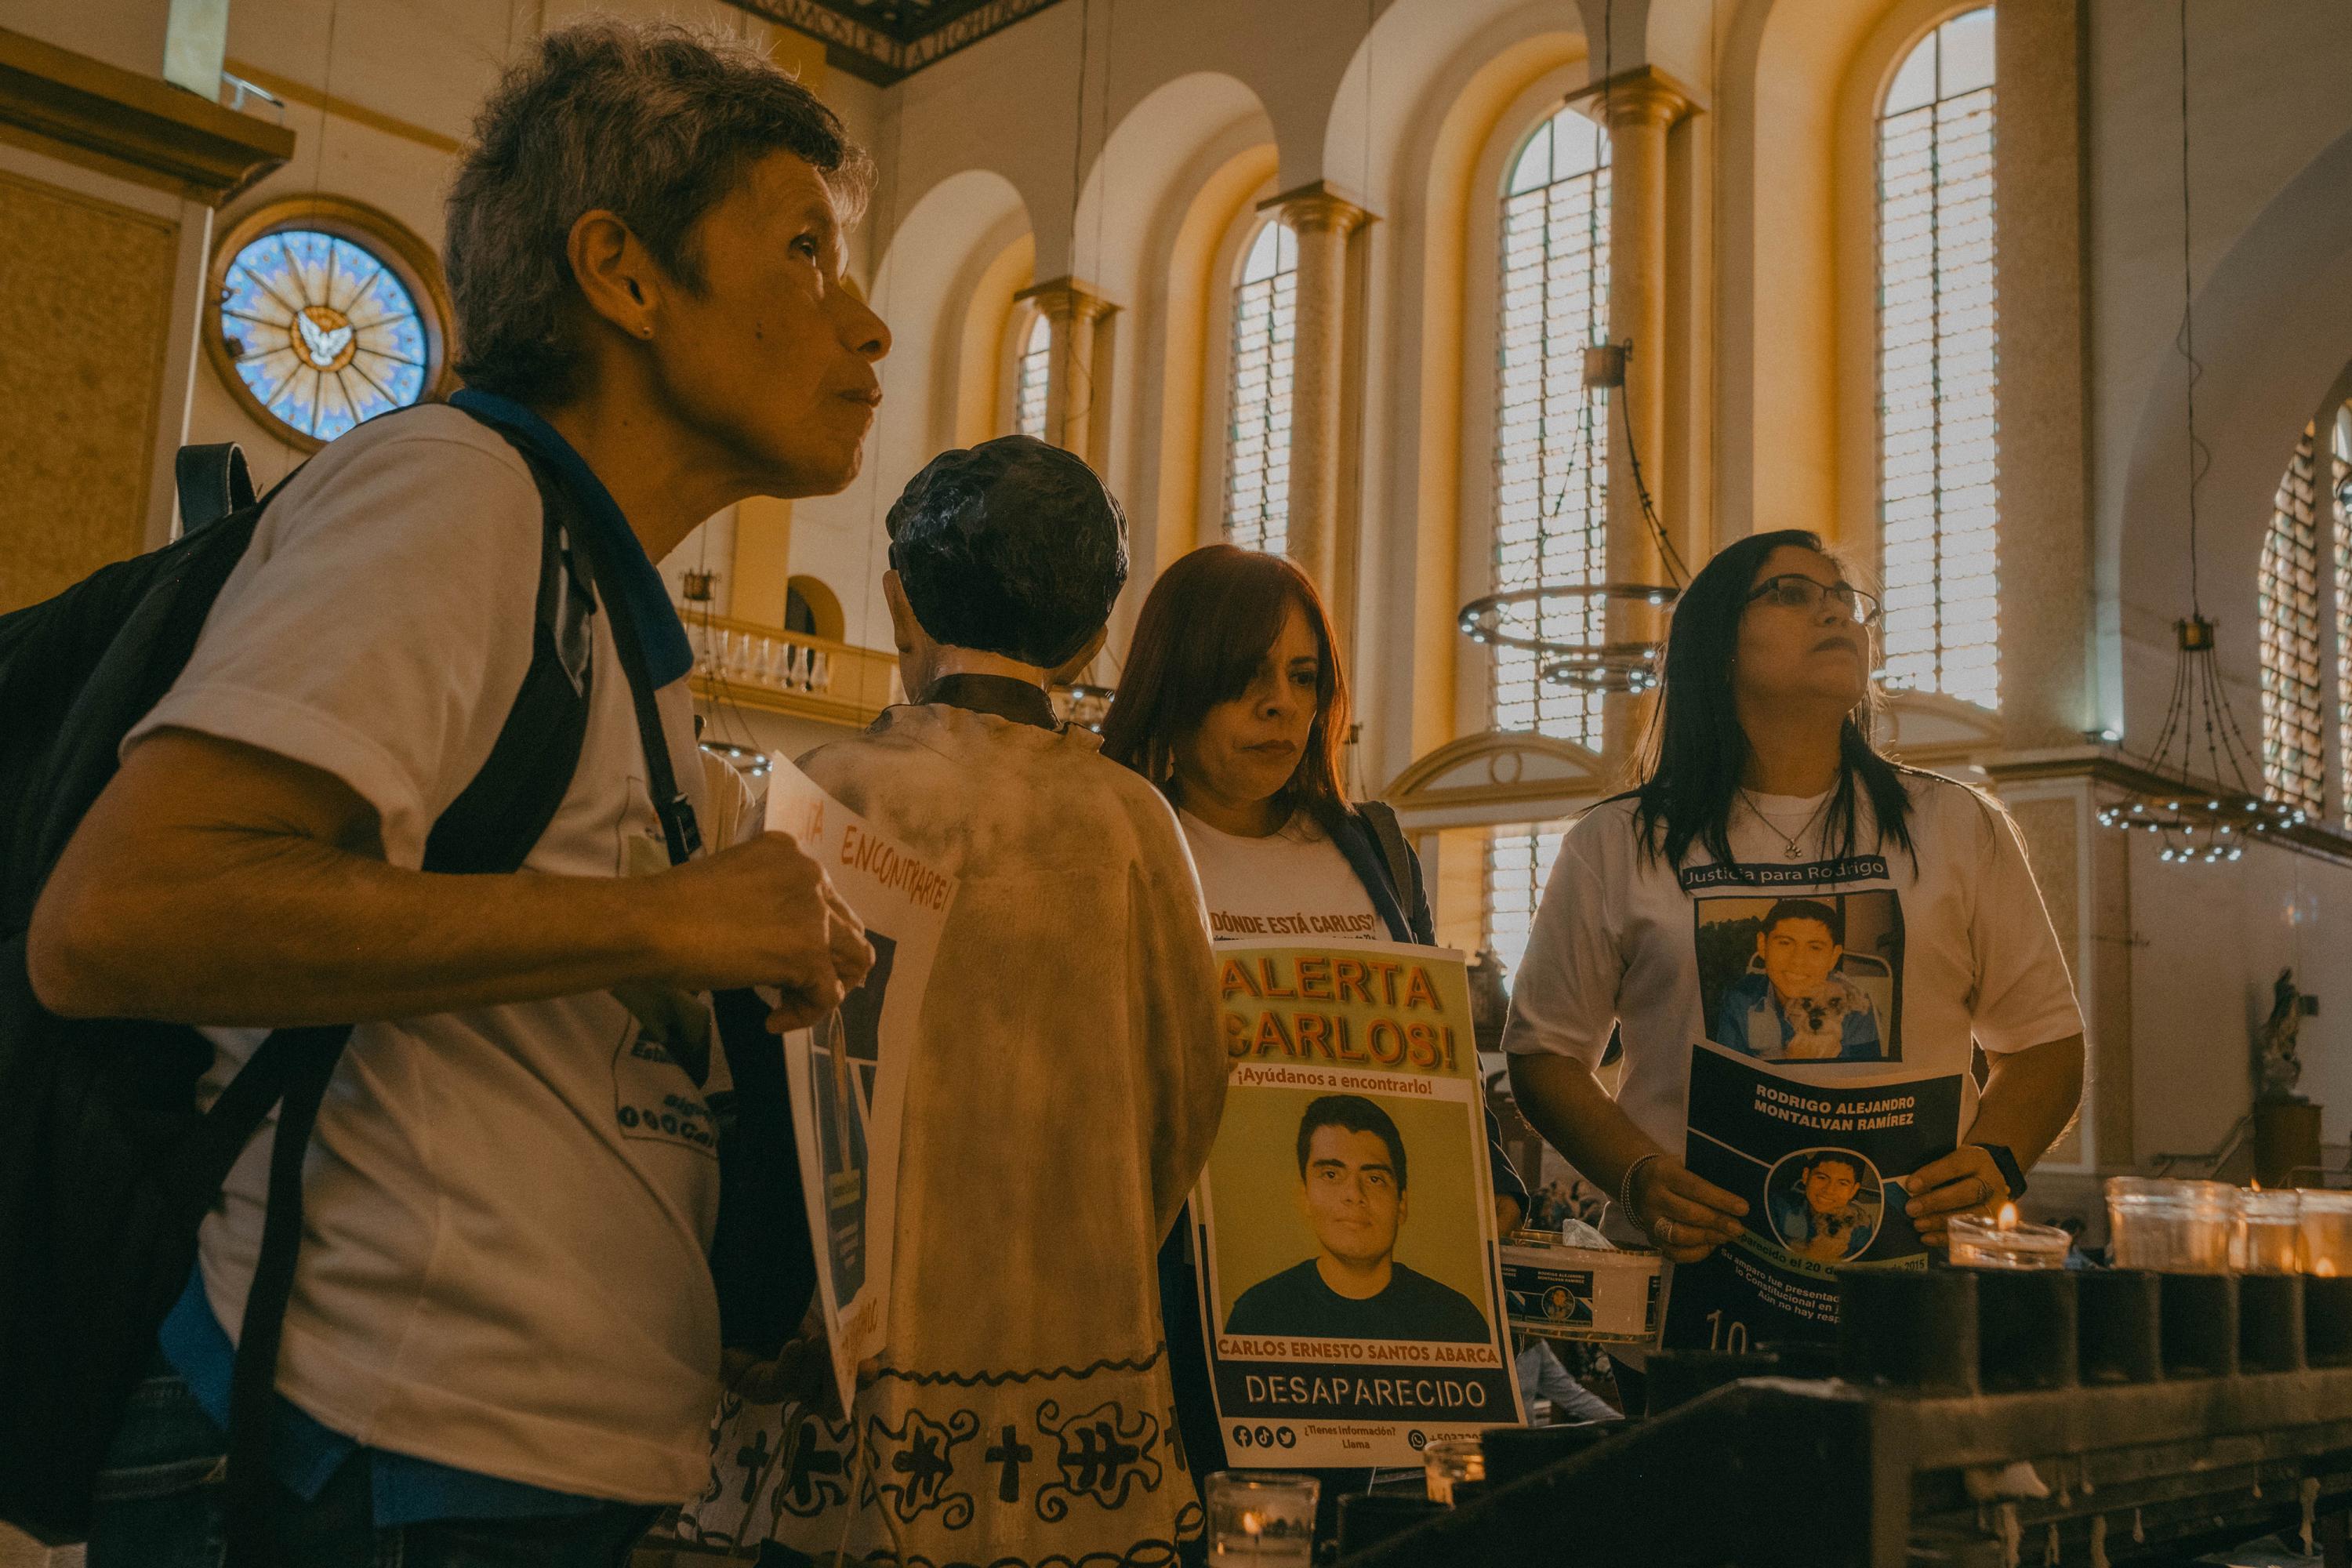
x,y
1552,466
1937,365
1518,859
1551,434
1257,440
324,312
800,615
1029,378
2286,611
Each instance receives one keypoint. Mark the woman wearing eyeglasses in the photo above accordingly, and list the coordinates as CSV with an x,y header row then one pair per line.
x,y
1876,915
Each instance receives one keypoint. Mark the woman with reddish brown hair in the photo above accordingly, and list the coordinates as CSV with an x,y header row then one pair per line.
x,y
1232,702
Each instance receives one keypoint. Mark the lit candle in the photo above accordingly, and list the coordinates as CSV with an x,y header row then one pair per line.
x,y
2270,1233
2004,1241
1265,1520
2324,1219
2172,1227
1447,1464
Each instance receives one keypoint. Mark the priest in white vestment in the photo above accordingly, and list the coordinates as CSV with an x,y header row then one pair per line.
x,y
1069,1075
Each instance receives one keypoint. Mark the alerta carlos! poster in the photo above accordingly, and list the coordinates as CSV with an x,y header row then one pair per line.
x,y
1344,1226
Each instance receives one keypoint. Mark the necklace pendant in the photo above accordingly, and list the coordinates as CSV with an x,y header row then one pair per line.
x,y
1796,852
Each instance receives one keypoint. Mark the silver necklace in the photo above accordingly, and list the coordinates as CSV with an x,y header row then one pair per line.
x,y
1795,846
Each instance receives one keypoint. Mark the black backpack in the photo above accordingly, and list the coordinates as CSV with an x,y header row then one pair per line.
x,y
109,1168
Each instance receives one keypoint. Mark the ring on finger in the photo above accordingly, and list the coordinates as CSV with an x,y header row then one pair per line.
x,y
1666,1231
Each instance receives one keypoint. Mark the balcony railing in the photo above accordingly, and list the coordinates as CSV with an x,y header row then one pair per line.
x,y
763,669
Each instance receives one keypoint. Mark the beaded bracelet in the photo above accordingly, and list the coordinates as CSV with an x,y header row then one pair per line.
x,y
1625,1186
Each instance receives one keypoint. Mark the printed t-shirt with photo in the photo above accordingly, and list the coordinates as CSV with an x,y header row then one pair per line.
x,y
508,1210
1293,882
1832,969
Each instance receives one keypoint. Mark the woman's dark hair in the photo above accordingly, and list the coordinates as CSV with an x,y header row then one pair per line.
x,y
1696,750
1203,635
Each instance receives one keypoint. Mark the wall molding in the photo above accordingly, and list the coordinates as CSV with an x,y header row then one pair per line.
x,y
138,125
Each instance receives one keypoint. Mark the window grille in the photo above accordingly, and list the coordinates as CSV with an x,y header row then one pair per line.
x,y
1937,366
2340,468
1029,379
1257,433
1517,861
2286,610
1552,436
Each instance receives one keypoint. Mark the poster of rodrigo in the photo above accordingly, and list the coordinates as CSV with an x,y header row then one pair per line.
x,y
1821,1160
848,1074
1349,1278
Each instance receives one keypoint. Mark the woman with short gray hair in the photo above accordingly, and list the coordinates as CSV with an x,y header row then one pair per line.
x,y
501,1341
652,123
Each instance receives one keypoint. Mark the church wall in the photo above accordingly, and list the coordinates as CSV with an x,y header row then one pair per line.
x,y
126,32
2267,109
2266,99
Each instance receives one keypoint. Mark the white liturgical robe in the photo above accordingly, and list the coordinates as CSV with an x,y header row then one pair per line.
x,y
1061,1102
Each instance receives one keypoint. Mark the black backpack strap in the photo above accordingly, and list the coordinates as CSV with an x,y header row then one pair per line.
x,y
489,829
679,830
1404,869
305,1061
501,814
214,481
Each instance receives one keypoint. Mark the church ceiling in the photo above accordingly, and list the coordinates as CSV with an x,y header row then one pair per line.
x,y
886,40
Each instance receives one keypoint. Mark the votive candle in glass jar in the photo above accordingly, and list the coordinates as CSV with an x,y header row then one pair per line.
x,y
2324,1219
2270,1233
1264,1519
2004,1241
2171,1226
1447,1464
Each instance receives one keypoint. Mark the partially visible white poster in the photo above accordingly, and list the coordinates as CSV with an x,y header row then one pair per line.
x,y
848,1074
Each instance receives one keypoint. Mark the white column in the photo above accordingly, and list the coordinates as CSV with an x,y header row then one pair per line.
x,y
1641,108
1323,221
1072,311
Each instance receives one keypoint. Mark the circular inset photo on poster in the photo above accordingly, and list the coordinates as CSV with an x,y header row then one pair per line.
x,y
1825,1204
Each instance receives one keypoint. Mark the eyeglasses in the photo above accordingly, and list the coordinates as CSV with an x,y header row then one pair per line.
x,y
1795,591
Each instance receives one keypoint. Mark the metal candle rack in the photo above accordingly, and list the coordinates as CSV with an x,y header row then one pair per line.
x,y
1977,1419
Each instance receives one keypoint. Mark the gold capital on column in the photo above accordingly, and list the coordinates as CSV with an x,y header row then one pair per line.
x,y
1072,311
1317,207
1322,219
1640,97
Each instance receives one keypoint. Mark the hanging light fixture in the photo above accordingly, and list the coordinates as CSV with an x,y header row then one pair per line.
x,y
2200,797
1517,619
1079,701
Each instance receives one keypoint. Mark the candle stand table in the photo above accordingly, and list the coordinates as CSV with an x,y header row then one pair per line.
x,y
2145,1440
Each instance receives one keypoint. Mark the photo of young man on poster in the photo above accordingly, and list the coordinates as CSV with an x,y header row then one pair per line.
x,y
1826,1204
844,1051
1352,1191
1800,993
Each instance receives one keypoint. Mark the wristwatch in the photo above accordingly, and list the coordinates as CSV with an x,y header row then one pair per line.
x,y
2011,1171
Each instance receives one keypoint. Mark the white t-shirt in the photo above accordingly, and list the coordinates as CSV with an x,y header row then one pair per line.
x,y
507,1210
1892,966
1293,882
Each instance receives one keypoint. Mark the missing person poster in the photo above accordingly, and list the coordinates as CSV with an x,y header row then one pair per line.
x,y
848,1074
1800,1104
1344,1224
